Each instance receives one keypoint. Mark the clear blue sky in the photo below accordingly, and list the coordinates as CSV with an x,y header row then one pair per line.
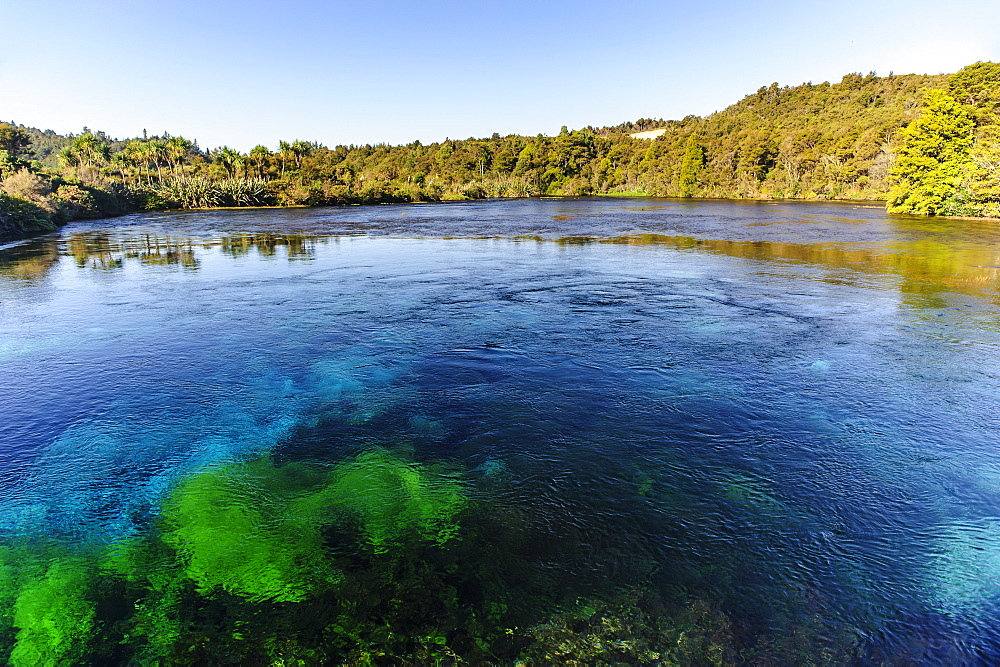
x,y
241,73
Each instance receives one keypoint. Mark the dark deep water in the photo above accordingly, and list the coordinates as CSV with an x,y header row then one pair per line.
x,y
603,429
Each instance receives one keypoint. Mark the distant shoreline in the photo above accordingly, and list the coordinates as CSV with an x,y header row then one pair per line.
x,y
10,241
857,203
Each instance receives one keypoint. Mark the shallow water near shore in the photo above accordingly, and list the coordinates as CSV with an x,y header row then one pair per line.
x,y
632,430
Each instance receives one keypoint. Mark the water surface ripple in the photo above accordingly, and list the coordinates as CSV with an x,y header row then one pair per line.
x,y
515,429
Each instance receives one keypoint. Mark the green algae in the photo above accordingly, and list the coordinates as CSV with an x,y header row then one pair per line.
x,y
8,594
52,613
232,526
257,530
155,580
252,559
389,498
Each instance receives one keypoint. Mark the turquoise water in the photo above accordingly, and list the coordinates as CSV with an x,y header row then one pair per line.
x,y
632,430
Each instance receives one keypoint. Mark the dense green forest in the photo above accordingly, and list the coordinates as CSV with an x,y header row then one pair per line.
x,y
926,144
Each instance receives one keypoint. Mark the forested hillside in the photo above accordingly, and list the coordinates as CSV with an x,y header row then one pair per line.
x,y
926,144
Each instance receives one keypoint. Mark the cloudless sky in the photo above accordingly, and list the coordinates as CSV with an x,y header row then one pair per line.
x,y
342,72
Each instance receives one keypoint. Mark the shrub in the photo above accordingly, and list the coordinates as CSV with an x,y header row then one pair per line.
x,y
32,188
19,217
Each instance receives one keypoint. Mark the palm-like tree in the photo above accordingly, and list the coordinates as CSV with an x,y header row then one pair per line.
x,y
120,162
69,157
156,153
86,150
136,153
175,151
231,159
300,149
285,151
259,155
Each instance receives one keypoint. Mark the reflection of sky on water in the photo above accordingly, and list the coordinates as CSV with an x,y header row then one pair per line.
x,y
724,384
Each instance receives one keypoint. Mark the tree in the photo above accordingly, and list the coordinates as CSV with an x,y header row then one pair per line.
x,y
932,158
136,153
15,141
984,175
7,165
977,86
259,156
300,149
231,159
90,149
85,151
156,152
175,151
147,153
121,162
284,152
691,165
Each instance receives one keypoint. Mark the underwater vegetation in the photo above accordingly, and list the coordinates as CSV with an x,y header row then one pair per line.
x,y
634,628
390,498
245,542
51,613
376,559
256,530
228,538
219,517
381,557
372,560
47,612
